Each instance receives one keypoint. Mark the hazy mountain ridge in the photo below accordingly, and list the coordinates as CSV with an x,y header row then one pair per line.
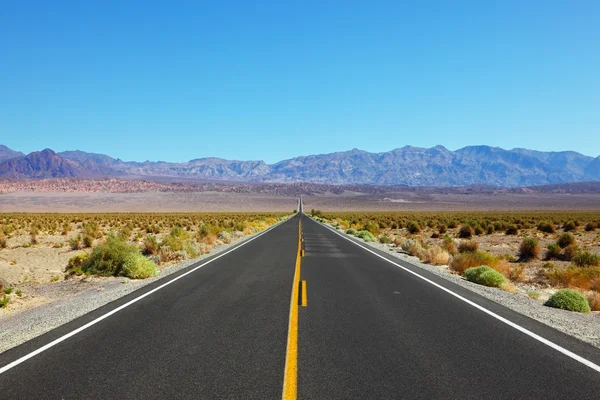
x,y
414,166
7,154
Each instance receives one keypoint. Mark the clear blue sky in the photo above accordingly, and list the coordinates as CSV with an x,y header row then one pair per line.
x,y
271,80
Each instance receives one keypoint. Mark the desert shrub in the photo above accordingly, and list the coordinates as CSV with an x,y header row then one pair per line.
x,y
465,232
413,248
3,241
468,246
553,252
584,258
435,255
591,226
442,229
449,245
175,240
372,227
452,224
512,230
33,239
4,301
75,243
150,246
225,237
587,278
478,230
351,231
464,261
385,239
546,227
566,239
413,227
136,266
516,274
569,252
490,229
529,249
532,294
87,240
435,235
567,299
484,275
569,226
593,299
108,258
76,261
365,235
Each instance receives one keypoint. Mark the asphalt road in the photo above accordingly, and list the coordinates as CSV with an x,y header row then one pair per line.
x,y
369,330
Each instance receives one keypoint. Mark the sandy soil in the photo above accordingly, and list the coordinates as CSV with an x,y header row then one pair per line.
x,y
144,202
216,201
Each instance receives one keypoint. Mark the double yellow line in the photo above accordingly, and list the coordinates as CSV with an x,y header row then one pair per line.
x,y
290,378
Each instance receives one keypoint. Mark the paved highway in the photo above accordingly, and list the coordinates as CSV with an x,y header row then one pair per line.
x,y
322,318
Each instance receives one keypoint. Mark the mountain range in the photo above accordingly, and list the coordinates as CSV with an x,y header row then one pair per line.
x,y
413,166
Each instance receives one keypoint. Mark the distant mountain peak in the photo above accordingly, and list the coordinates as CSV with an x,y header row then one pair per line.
x,y
7,153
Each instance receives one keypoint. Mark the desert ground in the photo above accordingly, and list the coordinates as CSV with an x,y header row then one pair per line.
x,y
98,202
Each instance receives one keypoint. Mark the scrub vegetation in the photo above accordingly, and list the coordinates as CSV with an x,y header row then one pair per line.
x,y
533,251
38,249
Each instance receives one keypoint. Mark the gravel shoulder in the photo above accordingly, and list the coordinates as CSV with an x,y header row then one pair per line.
x,y
87,294
585,327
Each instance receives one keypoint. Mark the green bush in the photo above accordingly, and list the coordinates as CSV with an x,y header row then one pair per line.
x,y
569,226
584,258
484,275
529,249
372,227
366,236
4,301
108,258
512,230
175,240
76,262
570,300
566,239
351,231
553,252
136,266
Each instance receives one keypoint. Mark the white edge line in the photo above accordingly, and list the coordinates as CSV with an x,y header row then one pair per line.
x,y
116,310
535,336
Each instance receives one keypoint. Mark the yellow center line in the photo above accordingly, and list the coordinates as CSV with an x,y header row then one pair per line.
x,y
290,377
304,301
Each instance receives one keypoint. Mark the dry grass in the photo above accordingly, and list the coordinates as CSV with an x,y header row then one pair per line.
x,y
587,278
593,299
435,255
